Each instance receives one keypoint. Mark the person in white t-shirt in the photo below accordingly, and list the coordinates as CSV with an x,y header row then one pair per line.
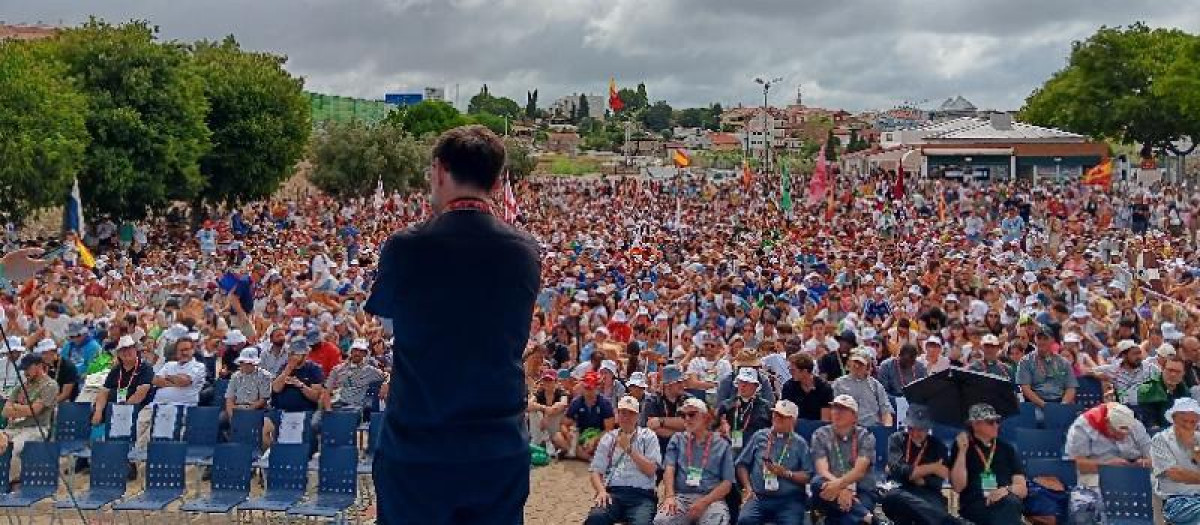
x,y
705,371
178,383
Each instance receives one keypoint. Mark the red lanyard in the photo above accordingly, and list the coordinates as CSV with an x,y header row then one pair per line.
x,y
783,454
908,458
613,451
987,462
469,204
687,450
121,374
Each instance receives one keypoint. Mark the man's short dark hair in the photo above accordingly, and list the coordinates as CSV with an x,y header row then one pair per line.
x,y
473,155
803,362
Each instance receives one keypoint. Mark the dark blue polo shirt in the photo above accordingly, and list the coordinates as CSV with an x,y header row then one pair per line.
x,y
593,416
459,290
291,398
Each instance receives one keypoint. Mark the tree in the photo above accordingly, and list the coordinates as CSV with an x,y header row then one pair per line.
x,y
658,116
832,143
495,123
518,160
427,117
633,100
146,117
259,117
350,159
531,110
484,102
45,137
715,123
582,110
1131,85
693,117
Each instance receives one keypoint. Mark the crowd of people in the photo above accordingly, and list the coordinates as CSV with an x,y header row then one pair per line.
x,y
683,329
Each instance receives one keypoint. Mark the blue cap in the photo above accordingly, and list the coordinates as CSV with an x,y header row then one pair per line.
x,y
671,374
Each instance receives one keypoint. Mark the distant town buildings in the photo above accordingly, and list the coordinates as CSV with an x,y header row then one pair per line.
x,y
566,106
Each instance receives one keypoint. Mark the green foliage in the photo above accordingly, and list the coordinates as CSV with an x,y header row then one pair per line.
x,y
832,145
146,117
42,133
634,100
427,117
518,160
259,120
349,159
1132,85
531,110
564,165
484,102
658,116
708,118
493,122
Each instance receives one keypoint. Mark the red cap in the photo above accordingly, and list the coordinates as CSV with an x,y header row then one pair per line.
x,y
591,380
549,375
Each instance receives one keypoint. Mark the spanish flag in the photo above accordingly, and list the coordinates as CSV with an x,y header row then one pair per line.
x,y
1100,175
614,100
681,158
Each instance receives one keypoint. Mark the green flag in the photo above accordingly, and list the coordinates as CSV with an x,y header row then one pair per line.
x,y
785,201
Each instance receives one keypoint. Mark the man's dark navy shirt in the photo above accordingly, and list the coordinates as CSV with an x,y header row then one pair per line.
x,y
460,291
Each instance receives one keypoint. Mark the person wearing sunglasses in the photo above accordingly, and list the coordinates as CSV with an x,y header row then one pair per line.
x,y
698,472
986,472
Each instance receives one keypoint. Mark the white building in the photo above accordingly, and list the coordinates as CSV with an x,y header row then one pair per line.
x,y
565,106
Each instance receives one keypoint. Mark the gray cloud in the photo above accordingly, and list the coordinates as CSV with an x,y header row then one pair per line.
x,y
855,54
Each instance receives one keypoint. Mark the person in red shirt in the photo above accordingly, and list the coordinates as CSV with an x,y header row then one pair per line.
x,y
323,352
619,327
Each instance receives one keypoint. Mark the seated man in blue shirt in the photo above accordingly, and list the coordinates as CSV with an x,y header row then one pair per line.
x,y
591,414
773,469
298,386
698,472
623,471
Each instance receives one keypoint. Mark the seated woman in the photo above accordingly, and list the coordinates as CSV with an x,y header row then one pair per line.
x,y
1175,457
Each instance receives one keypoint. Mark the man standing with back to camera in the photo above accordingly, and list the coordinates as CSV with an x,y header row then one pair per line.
x,y
454,448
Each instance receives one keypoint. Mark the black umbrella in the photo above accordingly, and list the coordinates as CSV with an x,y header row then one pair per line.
x,y
951,392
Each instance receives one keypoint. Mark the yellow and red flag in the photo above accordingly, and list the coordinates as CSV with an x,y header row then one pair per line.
x,y
681,158
1100,175
614,100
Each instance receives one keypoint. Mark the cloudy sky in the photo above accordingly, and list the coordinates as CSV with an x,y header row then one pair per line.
x,y
855,54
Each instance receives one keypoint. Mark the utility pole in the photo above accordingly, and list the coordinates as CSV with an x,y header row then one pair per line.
x,y
767,144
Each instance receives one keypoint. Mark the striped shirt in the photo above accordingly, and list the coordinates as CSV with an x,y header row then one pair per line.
x,y
1166,452
349,382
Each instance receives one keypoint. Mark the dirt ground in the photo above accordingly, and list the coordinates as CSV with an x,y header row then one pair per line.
x,y
559,494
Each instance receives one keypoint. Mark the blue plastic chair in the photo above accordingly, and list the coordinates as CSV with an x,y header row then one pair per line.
x,y
230,480
1062,469
220,386
128,435
372,399
276,417
1040,444
176,432
337,486
287,479
1089,393
39,475
881,433
340,428
73,427
245,427
202,432
5,468
946,434
806,427
165,477
1059,416
1028,410
108,482
373,431
1126,493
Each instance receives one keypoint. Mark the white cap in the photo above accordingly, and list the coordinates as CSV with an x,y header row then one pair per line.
x,y
786,408
235,337
45,345
1170,332
125,342
248,355
629,403
951,298
990,339
1125,345
933,339
619,317
844,400
1072,337
914,290
1121,416
360,344
609,365
1080,311
1166,350
695,404
15,344
747,375
1029,277
638,379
